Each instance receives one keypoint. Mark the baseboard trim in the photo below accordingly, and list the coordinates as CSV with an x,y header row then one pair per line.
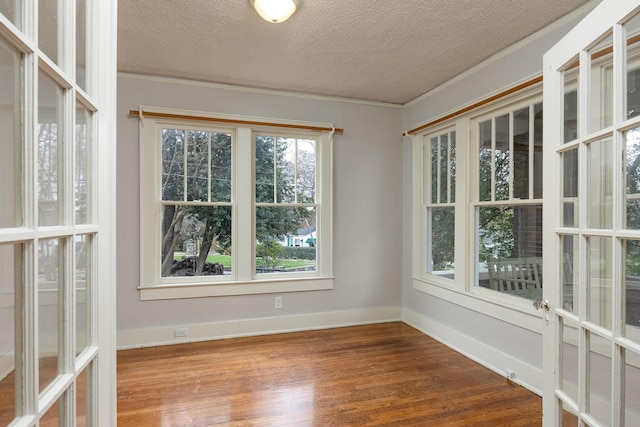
x,y
529,377
149,337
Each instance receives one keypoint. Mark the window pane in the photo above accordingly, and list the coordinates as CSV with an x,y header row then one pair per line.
x,y
286,239
441,244
633,68
632,155
196,240
432,161
600,184
49,148
10,142
510,249
599,281
220,167
198,165
83,291
306,171
50,284
444,168
452,166
485,179
570,188
11,281
81,43
11,10
265,168
82,175
502,158
173,158
521,137
48,28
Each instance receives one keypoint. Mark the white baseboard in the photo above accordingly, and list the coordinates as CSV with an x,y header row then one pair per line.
x,y
526,375
149,337
7,364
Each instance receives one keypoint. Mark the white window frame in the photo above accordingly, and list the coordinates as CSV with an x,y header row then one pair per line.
x,y
243,279
461,289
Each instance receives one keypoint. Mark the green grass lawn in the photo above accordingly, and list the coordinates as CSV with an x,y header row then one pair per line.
x,y
225,261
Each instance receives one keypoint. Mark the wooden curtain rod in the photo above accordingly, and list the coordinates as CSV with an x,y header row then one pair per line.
x,y
233,121
476,105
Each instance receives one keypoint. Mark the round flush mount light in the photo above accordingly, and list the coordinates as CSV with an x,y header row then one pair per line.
x,y
275,11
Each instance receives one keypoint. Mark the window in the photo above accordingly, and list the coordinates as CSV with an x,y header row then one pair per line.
x,y
239,209
439,203
478,203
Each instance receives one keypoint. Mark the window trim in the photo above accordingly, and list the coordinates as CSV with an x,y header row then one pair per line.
x,y
243,280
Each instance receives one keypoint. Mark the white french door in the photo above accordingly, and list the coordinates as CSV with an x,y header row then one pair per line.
x,y
57,105
592,221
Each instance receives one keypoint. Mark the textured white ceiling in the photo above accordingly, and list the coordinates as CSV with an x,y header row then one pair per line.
x,y
381,50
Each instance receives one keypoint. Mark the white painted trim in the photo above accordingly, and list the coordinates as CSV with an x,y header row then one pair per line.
x,y
147,337
529,377
237,88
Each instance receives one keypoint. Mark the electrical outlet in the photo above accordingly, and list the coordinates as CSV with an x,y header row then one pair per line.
x,y
509,374
181,332
278,302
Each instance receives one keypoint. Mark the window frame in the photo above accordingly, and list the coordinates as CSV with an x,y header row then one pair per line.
x,y
462,290
243,279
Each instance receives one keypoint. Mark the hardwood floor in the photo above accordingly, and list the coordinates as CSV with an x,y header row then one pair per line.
x,y
375,375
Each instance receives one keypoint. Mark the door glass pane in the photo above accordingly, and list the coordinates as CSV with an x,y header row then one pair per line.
x,y
570,205
50,284
599,281
569,273
82,175
49,153
502,158
632,388
601,85
83,292
48,28
600,184
570,107
632,179
485,179
11,269
632,29
569,419
521,163
52,418
10,141
569,354
11,10
82,386
632,288
81,44
537,151
599,392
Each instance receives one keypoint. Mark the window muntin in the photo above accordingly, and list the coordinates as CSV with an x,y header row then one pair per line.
x,y
508,211
286,201
439,203
285,195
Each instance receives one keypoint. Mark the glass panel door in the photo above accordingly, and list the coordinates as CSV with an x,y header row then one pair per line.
x,y
592,339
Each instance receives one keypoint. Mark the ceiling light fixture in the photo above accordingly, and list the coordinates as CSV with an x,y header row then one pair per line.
x,y
275,11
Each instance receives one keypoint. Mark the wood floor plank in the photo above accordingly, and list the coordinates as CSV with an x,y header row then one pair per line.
x,y
374,375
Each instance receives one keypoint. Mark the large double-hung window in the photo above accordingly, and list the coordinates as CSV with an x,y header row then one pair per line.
x,y
231,208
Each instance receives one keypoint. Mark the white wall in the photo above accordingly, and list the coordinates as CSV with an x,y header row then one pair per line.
x,y
367,217
489,340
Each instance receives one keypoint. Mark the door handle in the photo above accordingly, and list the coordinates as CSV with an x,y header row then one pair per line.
x,y
544,305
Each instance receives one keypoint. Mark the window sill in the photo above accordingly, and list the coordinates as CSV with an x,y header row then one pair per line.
x,y
261,286
513,310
